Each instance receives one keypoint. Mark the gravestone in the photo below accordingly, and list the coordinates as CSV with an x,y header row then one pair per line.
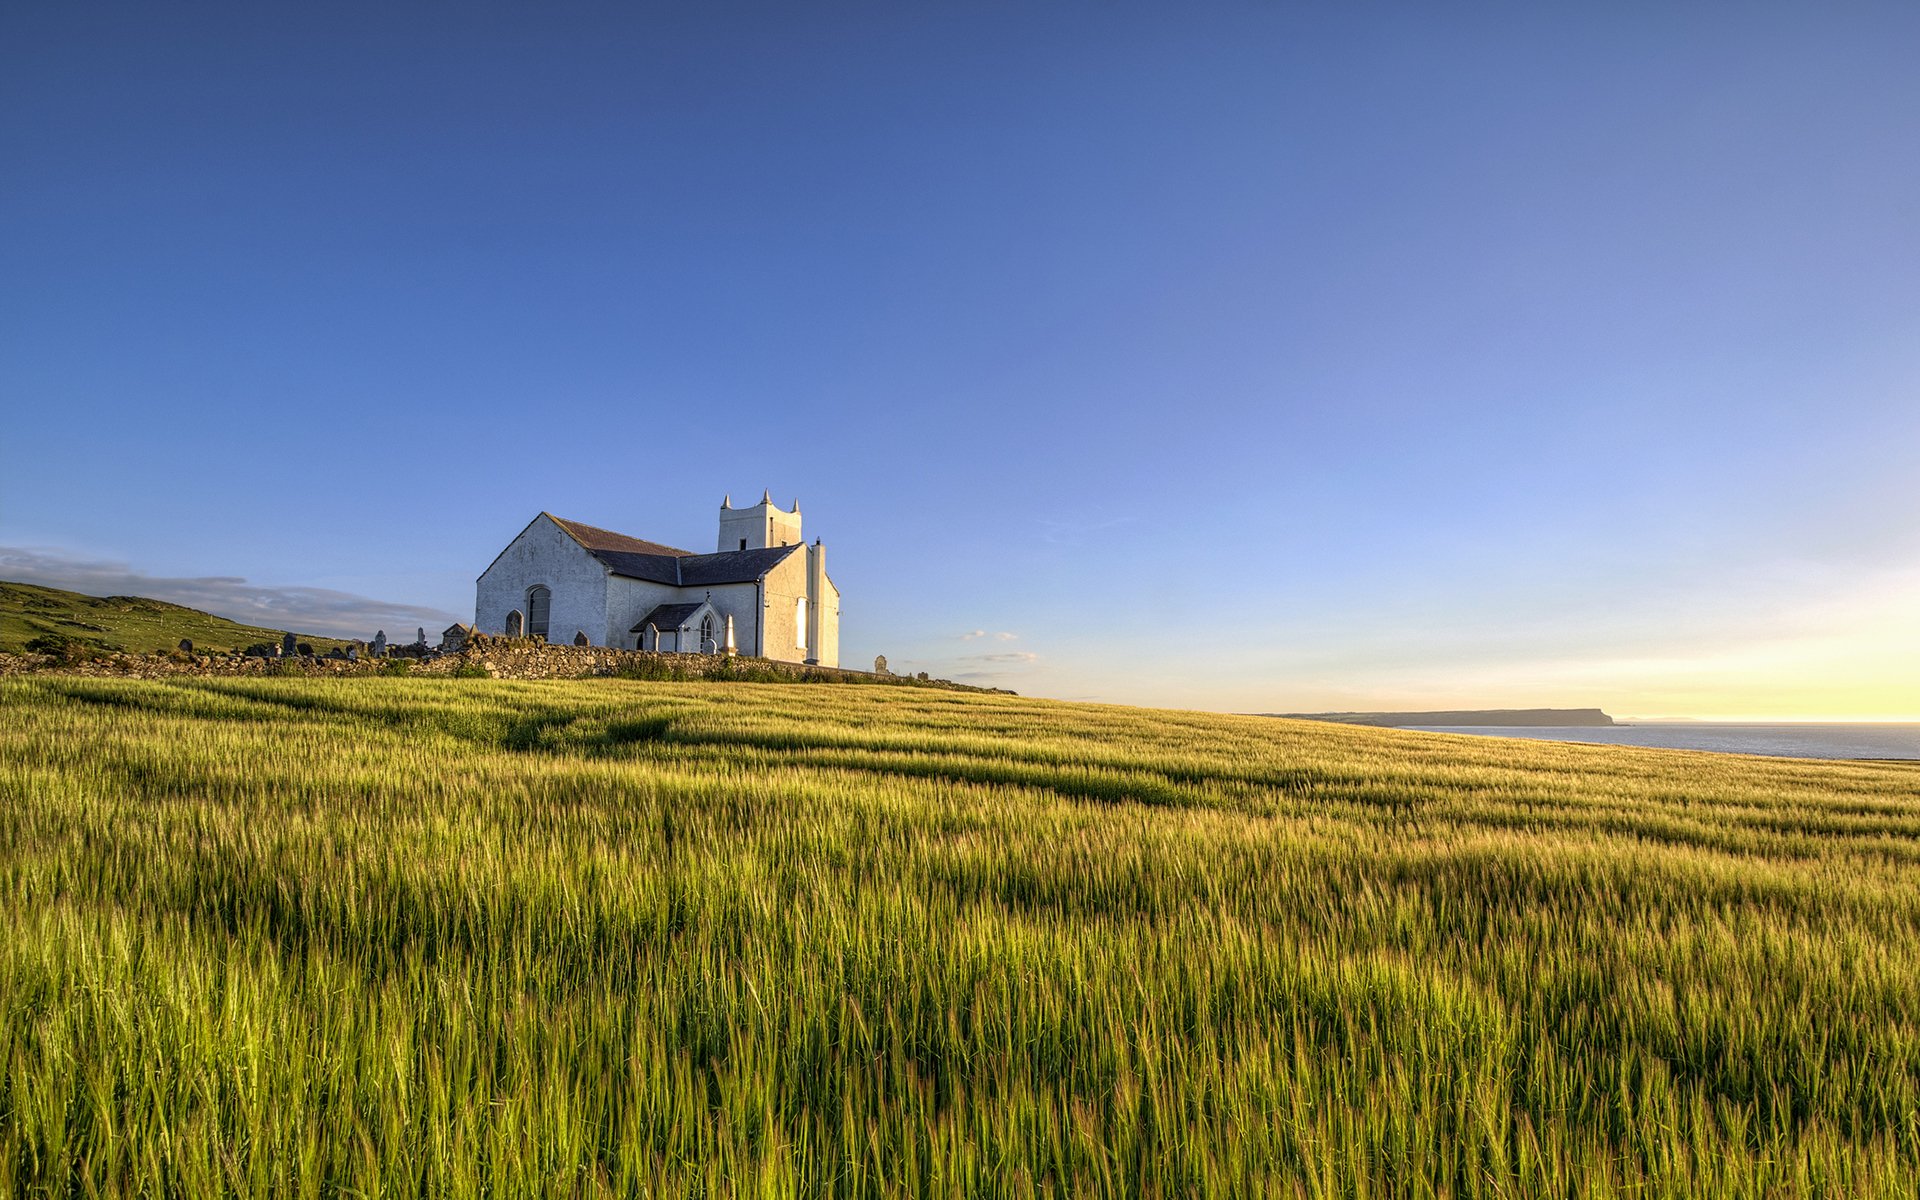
x,y
186,645
288,648
380,643
580,639
420,639
353,654
879,664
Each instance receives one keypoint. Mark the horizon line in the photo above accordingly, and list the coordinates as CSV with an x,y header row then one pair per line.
x,y
1720,719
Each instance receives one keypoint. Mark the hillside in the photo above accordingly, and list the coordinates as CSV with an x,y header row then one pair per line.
x,y
132,623
597,938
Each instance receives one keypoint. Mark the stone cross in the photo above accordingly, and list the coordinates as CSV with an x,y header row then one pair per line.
x,y
288,648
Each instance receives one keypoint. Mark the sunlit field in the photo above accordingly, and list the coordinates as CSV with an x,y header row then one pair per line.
x,y
447,937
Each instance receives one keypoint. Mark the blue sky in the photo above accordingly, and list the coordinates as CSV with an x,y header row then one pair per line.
x,y
1254,357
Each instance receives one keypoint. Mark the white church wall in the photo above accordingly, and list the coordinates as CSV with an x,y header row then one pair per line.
x,y
786,584
828,652
543,554
628,600
736,600
823,609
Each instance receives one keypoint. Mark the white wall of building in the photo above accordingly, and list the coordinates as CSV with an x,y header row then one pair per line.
x,y
741,602
786,584
759,526
827,651
628,600
544,554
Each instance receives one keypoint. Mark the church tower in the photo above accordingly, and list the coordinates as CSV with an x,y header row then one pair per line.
x,y
758,526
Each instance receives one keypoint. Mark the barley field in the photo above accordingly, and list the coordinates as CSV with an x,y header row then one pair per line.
x,y
448,937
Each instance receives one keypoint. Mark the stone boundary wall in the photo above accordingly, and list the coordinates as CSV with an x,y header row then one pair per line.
x,y
493,657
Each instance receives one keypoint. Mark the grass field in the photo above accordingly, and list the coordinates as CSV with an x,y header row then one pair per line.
x,y
388,937
131,623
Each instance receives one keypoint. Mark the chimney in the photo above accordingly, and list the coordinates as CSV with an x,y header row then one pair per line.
x,y
816,594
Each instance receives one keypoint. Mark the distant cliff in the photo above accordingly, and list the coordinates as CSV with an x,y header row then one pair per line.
x,y
1484,716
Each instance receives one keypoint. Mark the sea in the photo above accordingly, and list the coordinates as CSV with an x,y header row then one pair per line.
x,y
1877,741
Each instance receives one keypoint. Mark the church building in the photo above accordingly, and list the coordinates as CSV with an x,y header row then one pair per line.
x,y
763,592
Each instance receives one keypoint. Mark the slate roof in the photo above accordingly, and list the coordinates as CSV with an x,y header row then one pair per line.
x,y
731,566
594,538
669,616
655,563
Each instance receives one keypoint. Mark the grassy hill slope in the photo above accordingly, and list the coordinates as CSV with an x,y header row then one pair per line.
x,y
610,938
132,623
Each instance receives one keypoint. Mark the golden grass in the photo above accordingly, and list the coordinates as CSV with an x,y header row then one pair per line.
x,y
451,937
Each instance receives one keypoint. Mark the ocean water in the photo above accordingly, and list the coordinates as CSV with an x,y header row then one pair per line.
x,y
1787,741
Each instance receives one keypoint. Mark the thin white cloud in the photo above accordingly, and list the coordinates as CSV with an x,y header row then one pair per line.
x,y
994,668
301,609
974,635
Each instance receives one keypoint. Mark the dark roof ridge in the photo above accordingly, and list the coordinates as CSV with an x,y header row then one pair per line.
x,y
696,570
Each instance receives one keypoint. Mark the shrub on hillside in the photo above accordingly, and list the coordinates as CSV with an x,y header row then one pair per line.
x,y
55,644
63,649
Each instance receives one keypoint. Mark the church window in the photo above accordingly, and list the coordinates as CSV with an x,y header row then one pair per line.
x,y
707,644
515,624
743,543
539,605
800,622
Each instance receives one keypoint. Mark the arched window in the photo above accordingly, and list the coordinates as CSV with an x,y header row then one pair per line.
x,y
539,605
800,622
707,644
516,624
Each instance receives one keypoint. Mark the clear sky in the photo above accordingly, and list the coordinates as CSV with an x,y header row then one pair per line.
x,y
1256,357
